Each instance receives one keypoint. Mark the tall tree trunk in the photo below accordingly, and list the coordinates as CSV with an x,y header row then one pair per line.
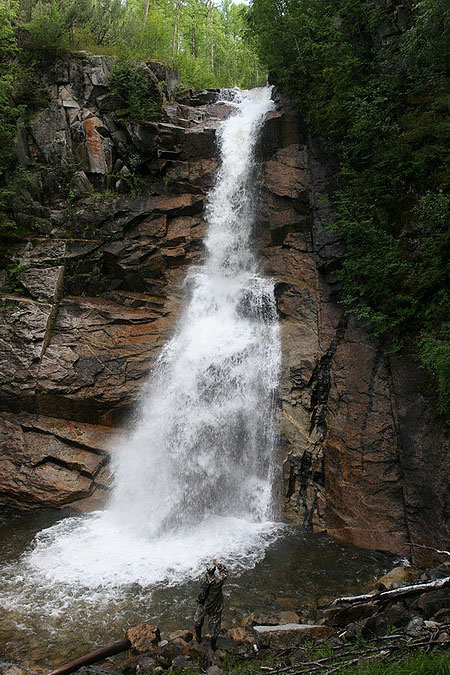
x,y
147,5
209,33
175,33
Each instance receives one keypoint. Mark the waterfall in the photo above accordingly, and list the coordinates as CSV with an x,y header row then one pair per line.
x,y
204,443
193,478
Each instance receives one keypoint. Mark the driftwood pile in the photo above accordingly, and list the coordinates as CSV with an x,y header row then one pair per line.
x,y
368,612
390,648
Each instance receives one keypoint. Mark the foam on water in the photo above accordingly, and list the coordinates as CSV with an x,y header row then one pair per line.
x,y
193,478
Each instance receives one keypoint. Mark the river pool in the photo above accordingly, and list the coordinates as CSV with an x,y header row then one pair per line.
x,y
45,624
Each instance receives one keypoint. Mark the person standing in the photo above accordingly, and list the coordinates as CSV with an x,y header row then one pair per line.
x,y
210,601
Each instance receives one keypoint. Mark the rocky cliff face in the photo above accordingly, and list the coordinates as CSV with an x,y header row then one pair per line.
x,y
363,456
88,302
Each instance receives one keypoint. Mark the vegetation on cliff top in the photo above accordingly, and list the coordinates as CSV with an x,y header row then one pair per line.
x,y
202,39
371,79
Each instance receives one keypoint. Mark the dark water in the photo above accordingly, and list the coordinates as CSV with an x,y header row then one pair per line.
x,y
42,627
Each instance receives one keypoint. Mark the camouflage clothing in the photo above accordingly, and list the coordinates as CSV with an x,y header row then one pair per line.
x,y
210,599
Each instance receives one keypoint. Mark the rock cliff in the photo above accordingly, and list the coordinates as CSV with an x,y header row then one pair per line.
x,y
88,301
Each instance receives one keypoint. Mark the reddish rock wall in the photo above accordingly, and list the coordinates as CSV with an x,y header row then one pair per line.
x,y
363,456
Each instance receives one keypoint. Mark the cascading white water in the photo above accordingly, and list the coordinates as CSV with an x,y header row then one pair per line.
x,y
205,440
193,479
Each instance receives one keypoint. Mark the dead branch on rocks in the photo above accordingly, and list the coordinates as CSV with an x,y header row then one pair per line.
x,y
430,548
345,657
393,593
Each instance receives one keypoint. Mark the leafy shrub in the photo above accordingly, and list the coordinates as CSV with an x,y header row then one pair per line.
x,y
53,23
135,85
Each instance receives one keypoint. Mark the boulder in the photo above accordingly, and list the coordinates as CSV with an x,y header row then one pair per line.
x,y
259,618
12,669
431,602
240,635
143,637
263,619
415,626
180,662
287,617
186,635
399,576
142,664
166,653
379,624
214,670
340,617
289,635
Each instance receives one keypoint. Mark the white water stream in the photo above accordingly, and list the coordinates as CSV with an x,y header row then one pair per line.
x,y
193,479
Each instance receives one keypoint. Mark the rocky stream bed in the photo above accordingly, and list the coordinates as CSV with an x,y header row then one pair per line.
x,y
407,613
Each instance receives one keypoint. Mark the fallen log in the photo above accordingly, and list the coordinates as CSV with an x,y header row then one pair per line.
x,y
393,593
92,657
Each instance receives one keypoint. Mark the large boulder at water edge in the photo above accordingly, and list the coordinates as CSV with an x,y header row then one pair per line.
x,y
144,637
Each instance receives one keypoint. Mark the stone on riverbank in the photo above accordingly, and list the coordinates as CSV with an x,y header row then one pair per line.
x,y
143,637
289,635
399,576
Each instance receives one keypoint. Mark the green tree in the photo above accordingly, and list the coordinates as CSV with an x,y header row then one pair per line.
x,y
106,19
8,111
53,24
373,87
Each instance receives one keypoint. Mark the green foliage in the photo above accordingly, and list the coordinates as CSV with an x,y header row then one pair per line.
x,y
134,84
376,93
435,353
53,24
418,664
8,112
106,19
203,40
12,180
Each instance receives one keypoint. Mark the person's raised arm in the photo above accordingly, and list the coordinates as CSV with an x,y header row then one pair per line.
x,y
223,572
